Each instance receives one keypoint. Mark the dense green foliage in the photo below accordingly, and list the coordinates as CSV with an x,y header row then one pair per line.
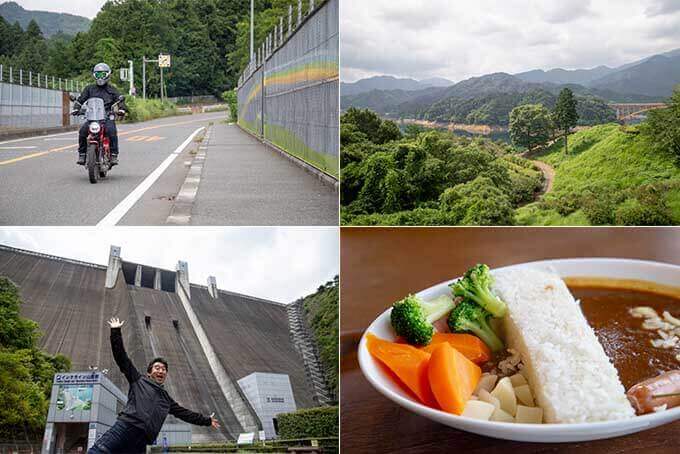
x,y
428,177
143,110
662,127
530,125
565,115
232,100
612,175
208,41
321,310
308,423
25,372
50,23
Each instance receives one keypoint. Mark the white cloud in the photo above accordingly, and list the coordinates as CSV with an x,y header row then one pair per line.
x,y
463,39
281,264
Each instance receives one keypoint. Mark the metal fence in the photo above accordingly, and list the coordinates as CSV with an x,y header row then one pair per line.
x,y
33,100
289,93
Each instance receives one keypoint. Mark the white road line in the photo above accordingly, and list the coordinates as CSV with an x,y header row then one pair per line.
x,y
58,138
38,137
17,148
128,202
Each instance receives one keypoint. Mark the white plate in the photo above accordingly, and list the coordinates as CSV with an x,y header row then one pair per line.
x,y
660,273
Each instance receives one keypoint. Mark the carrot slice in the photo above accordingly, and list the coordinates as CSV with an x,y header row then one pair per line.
x,y
408,363
452,377
471,346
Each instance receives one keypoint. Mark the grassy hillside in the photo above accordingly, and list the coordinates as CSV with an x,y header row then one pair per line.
x,y
610,176
321,310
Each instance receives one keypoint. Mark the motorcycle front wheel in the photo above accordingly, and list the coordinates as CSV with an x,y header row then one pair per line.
x,y
92,166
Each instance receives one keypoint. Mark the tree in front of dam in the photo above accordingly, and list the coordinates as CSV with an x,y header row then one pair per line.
x,y
662,128
531,125
26,372
565,115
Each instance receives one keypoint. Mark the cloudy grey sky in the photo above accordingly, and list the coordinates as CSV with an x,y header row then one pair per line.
x,y
465,38
87,8
280,264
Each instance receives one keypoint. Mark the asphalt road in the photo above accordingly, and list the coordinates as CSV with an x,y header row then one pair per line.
x,y
40,183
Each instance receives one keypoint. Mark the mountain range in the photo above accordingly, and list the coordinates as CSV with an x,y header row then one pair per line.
x,y
391,83
50,23
489,99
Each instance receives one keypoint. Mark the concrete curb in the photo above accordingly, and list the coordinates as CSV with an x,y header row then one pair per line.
x,y
36,132
324,177
180,214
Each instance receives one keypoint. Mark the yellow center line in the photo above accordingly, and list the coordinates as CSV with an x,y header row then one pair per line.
x,y
75,145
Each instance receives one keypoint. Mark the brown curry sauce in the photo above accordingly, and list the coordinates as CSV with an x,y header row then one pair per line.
x,y
628,345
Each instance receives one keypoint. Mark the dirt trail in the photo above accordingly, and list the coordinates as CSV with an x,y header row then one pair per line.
x,y
549,177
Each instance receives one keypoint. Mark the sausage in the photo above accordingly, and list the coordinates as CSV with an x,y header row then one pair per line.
x,y
642,395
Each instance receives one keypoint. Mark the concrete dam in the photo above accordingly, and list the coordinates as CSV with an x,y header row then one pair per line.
x,y
211,338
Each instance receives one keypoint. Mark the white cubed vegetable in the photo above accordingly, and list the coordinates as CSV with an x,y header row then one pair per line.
x,y
501,416
523,394
487,382
486,396
505,393
478,410
518,380
529,415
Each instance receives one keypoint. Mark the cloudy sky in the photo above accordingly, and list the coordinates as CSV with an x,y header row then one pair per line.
x,y
87,8
465,38
280,264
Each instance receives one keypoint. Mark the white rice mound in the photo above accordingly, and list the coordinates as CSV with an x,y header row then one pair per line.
x,y
567,368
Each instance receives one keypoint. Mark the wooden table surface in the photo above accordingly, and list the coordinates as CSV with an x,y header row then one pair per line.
x,y
380,266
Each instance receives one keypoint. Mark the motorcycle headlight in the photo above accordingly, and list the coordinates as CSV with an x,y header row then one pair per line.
x,y
94,127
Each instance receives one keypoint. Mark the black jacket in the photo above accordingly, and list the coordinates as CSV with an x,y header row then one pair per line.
x,y
107,92
148,402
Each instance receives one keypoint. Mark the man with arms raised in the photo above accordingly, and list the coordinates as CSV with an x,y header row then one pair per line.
x,y
148,404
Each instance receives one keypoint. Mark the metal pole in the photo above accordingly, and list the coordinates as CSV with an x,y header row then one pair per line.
x,y
21,76
252,28
162,89
144,76
131,77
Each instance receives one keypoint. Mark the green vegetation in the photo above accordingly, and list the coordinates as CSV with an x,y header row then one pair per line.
x,y
475,285
309,422
565,115
143,110
530,125
428,177
26,373
321,310
232,100
51,23
412,318
328,444
208,41
612,175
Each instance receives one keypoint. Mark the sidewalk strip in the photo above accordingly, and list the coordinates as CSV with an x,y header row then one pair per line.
x,y
123,207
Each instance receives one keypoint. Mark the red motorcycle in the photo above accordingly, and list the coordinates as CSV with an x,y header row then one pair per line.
x,y
98,159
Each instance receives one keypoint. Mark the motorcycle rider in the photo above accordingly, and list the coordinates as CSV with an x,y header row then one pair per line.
x,y
102,89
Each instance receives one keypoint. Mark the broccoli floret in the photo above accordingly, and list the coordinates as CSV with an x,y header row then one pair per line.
x,y
476,285
412,317
468,316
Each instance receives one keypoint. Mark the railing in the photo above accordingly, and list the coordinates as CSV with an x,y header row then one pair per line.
x,y
18,76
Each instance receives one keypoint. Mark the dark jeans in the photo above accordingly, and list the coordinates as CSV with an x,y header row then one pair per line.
x,y
122,438
111,133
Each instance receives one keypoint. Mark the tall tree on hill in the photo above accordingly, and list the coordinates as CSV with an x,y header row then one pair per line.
x,y
565,115
530,125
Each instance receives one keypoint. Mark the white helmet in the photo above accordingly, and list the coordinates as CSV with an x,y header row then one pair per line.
x,y
101,73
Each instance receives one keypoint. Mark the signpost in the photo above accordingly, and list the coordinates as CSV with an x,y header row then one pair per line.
x,y
164,61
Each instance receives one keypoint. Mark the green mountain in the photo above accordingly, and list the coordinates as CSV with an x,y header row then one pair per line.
x,y
50,23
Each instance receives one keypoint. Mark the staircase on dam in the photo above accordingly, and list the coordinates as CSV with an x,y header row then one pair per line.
x,y
305,345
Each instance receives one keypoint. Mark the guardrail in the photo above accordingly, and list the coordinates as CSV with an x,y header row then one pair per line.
x,y
288,94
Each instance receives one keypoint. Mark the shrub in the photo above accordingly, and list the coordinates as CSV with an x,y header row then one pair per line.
x,y
599,209
309,423
230,97
632,212
143,110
